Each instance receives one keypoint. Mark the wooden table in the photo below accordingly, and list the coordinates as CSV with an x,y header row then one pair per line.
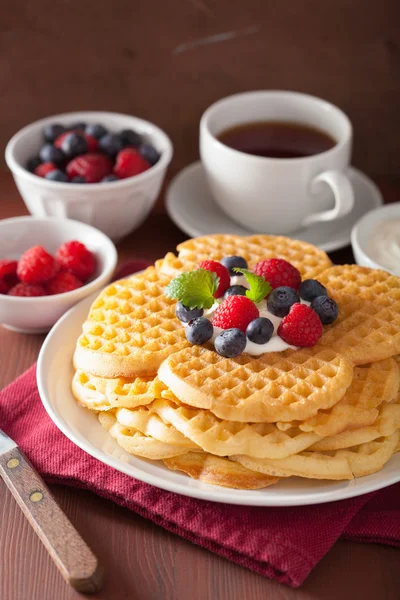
x,y
142,561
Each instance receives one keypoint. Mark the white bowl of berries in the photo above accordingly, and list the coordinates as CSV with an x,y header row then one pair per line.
x,y
105,169
46,266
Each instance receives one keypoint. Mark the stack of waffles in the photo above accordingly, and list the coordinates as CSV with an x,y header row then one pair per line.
x,y
331,411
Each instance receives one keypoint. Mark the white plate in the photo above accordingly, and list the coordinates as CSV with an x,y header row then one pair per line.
x,y
191,206
54,375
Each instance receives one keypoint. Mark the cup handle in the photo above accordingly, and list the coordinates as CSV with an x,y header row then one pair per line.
x,y
342,191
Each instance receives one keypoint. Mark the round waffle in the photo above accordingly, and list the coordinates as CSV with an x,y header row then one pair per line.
x,y
283,386
308,259
131,328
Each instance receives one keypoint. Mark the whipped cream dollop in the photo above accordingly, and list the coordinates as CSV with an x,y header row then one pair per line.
x,y
384,245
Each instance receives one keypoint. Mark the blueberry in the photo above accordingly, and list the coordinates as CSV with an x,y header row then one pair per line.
x,y
95,130
230,342
199,331
130,138
186,314
78,179
326,309
234,261
281,299
49,153
108,178
110,144
78,126
235,290
149,153
73,145
310,289
51,132
260,330
57,175
33,163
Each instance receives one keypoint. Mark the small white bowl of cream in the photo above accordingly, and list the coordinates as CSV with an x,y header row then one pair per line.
x,y
375,239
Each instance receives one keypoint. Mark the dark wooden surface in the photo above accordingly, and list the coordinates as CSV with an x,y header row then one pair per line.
x,y
142,561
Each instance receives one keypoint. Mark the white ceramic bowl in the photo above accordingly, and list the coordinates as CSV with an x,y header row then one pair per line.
x,y
363,230
116,208
38,315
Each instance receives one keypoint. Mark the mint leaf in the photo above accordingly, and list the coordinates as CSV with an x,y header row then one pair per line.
x,y
259,287
194,289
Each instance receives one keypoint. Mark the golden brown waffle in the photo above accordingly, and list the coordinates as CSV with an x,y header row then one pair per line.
x,y
283,386
371,385
151,424
363,332
225,438
134,442
356,461
131,329
307,258
99,393
215,470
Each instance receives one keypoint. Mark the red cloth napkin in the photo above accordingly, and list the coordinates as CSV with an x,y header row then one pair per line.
x,y
281,543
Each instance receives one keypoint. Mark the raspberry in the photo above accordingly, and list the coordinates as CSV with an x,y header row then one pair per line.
x,y
93,144
222,272
93,167
129,163
4,286
235,312
7,268
301,327
44,168
27,290
36,266
278,272
63,282
77,259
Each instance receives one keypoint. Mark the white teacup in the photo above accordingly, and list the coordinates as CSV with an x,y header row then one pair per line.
x,y
277,195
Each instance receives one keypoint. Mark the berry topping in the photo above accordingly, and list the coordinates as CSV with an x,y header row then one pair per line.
x,y
230,343
63,282
52,131
78,179
77,259
27,290
109,178
326,309
8,268
129,163
110,144
259,288
301,327
310,289
281,299
36,266
199,331
194,289
235,311
149,153
186,314
43,169
93,167
74,144
95,130
32,163
130,138
221,272
49,153
278,272
234,261
57,175
235,290
260,330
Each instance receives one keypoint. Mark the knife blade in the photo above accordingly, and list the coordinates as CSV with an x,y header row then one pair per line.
x,y
73,557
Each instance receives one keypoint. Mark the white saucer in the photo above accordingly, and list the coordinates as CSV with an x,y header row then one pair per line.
x,y
193,209
54,374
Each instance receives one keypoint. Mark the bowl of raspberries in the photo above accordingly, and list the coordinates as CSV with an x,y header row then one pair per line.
x,y
101,168
46,266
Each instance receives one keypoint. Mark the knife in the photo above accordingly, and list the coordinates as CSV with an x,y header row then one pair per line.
x,y
73,557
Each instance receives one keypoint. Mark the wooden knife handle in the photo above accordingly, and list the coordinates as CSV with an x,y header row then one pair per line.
x,y
73,557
